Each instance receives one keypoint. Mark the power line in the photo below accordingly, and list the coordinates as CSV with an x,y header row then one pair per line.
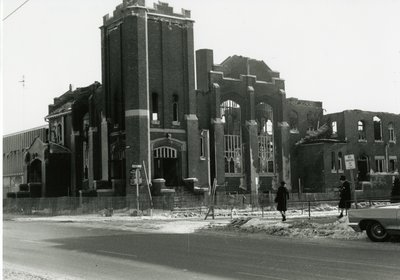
x,y
20,6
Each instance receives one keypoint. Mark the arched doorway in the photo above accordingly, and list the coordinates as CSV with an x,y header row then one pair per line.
x,y
166,165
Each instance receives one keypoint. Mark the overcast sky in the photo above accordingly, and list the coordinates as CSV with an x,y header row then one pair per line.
x,y
345,53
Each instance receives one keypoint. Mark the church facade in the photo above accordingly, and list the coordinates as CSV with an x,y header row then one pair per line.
x,y
172,111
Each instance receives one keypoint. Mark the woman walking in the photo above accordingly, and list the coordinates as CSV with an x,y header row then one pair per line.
x,y
281,198
345,196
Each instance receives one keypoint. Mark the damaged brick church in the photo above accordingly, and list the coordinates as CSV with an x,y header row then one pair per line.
x,y
182,117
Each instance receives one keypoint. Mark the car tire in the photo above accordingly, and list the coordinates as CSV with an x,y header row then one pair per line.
x,y
376,232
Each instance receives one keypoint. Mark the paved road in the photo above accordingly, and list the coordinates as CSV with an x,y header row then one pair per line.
x,y
89,253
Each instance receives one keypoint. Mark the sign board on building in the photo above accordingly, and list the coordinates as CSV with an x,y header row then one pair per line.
x,y
350,162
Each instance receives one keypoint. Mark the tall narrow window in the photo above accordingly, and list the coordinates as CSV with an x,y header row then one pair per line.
x,y
334,128
231,114
361,130
333,161
293,121
392,164
340,162
202,148
311,121
379,164
377,129
59,133
154,103
264,118
392,137
175,108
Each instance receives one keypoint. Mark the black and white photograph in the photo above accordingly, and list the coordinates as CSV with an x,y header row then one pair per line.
x,y
200,139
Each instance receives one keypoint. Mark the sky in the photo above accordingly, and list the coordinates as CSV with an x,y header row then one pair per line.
x,y
345,53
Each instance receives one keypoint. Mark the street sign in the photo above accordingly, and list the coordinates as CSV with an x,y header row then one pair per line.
x,y
134,175
350,162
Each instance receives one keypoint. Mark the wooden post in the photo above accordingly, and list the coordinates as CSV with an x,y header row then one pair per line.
x,y
212,197
353,187
148,188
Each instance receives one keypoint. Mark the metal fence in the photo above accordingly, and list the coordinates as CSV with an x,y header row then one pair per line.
x,y
250,204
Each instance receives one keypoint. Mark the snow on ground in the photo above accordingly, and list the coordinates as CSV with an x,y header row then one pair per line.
x,y
322,223
16,272
296,228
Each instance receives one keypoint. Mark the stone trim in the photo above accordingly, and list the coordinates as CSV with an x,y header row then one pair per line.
x,y
137,113
167,130
191,117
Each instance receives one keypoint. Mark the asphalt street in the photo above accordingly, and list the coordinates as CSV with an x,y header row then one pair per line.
x,y
93,253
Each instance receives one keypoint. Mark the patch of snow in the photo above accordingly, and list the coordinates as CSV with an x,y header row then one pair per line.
x,y
16,272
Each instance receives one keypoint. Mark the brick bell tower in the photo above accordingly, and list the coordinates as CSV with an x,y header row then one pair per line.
x,y
147,65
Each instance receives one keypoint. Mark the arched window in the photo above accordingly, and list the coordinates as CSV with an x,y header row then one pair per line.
x,y
361,130
56,131
231,117
377,129
165,152
175,108
264,118
392,135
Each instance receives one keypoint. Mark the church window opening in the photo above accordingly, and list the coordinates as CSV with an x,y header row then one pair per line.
x,y
392,164
377,129
57,131
361,130
333,162
154,105
334,128
264,118
165,152
340,162
311,121
293,121
175,108
231,116
379,164
202,148
392,137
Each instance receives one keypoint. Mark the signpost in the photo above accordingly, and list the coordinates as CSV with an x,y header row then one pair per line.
x,y
351,165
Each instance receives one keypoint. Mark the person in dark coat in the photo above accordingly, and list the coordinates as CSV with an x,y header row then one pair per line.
x,y
281,198
345,195
395,194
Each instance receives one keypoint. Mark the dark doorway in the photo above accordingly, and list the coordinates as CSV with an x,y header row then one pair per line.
x,y
167,168
35,171
166,165
362,165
